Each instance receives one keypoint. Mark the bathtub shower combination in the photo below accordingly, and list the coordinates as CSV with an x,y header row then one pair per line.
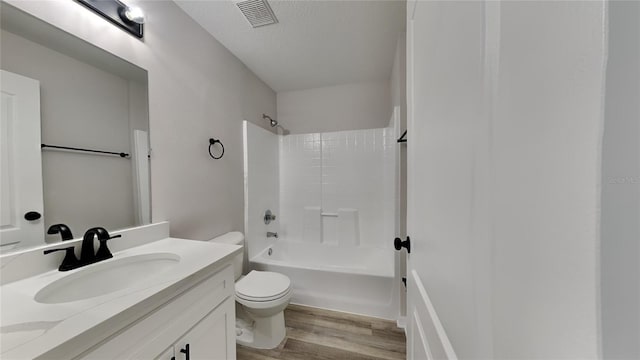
x,y
335,198
358,280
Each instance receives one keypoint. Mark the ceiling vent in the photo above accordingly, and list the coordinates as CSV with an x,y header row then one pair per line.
x,y
257,12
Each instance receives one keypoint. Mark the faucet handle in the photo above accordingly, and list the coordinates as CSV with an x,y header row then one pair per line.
x,y
98,231
69,262
103,252
62,229
268,217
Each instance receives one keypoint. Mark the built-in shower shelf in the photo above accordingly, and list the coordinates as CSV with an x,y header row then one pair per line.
x,y
329,214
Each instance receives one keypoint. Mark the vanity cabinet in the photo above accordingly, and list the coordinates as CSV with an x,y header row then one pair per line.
x,y
207,340
201,318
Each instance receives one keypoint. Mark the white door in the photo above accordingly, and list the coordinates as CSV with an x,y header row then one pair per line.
x,y
20,163
445,70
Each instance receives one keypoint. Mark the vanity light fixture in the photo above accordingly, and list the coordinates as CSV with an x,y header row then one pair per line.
x,y
128,18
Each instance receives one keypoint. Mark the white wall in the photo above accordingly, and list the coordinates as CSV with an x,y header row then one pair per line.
x,y
197,90
621,186
261,187
81,106
398,80
335,108
331,172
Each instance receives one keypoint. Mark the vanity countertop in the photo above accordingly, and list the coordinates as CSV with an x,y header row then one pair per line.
x,y
30,329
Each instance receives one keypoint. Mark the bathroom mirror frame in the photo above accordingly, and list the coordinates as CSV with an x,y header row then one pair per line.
x,y
17,24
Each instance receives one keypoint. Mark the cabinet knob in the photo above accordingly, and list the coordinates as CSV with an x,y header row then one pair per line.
x,y
32,216
185,351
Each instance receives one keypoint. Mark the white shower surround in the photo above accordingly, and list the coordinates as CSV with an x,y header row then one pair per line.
x,y
343,260
338,172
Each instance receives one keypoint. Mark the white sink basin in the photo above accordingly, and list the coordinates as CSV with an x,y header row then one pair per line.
x,y
106,277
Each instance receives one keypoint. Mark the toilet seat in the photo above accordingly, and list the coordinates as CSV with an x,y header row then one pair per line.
x,y
262,286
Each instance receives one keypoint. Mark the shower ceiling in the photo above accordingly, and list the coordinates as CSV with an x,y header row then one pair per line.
x,y
316,43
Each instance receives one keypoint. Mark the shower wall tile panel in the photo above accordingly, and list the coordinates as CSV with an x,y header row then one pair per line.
x,y
338,171
353,177
300,188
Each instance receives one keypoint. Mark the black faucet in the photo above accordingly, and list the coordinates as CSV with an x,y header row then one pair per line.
x,y
69,262
62,229
87,254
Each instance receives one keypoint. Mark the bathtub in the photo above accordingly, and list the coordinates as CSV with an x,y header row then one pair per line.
x,y
354,279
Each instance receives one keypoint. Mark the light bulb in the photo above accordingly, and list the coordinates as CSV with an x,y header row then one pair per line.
x,y
134,14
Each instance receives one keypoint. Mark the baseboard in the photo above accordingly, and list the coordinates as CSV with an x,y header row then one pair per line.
x,y
401,322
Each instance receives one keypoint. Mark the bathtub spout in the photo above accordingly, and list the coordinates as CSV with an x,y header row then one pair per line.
x,y
272,234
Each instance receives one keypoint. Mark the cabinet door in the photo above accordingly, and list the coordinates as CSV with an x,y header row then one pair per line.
x,y
213,338
20,161
167,355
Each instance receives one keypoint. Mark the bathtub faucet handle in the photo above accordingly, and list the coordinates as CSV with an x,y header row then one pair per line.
x,y
269,217
272,234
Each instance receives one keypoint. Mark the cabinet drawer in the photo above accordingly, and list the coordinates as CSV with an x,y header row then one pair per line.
x,y
165,325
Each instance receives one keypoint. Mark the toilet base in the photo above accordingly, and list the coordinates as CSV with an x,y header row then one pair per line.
x,y
261,332
244,332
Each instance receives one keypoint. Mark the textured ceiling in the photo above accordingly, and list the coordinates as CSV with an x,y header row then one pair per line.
x,y
316,43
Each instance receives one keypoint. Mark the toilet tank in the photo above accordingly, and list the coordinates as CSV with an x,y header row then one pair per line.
x,y
235,238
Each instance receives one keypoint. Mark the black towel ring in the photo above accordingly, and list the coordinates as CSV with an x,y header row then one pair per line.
x,y
212,142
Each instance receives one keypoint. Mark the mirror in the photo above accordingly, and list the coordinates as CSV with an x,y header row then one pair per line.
x,y
90,103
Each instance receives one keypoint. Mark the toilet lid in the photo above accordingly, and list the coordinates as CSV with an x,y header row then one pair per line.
x,y
262,286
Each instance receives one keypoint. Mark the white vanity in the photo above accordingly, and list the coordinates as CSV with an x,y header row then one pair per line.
x,y
162,299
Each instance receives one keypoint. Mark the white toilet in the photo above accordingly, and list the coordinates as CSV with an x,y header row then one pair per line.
x,y
262,297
